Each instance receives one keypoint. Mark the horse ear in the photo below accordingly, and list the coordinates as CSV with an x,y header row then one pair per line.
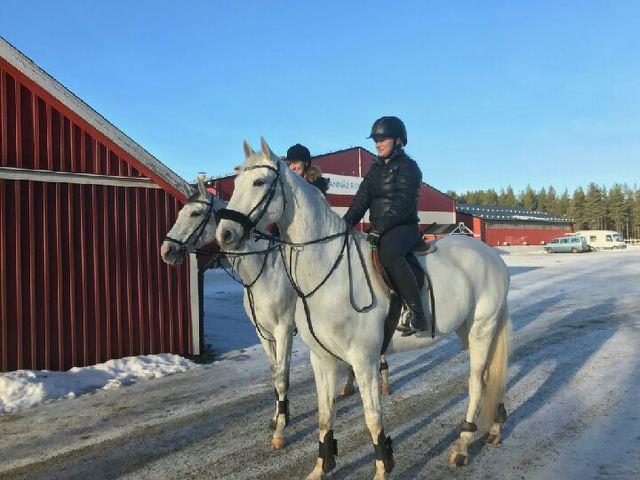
x,y
201,187
248,151
266,151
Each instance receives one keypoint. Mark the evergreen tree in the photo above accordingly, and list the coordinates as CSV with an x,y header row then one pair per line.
x,y
501,197
636,214
528,198
577,209
616,214
542,200
594,207
490,197
563,203
552,201
510,197
628,211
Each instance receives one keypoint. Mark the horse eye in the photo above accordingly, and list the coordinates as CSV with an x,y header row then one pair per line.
x,y
196,213
258,183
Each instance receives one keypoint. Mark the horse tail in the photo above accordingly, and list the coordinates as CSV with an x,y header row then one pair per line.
x,y
496,372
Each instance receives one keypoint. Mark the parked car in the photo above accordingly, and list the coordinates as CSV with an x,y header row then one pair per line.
x,y
603,239
570,243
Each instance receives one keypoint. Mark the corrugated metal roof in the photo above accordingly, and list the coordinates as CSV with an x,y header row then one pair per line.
x,y
65,96
440,229
497,212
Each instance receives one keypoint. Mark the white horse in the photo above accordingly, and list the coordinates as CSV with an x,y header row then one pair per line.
x,y
470,284
269,301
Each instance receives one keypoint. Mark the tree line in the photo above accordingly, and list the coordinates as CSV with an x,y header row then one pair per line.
x,y
592,208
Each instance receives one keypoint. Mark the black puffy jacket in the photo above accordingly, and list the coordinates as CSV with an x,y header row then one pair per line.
x,y
390,192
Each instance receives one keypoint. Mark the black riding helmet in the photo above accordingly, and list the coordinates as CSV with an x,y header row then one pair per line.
x,y
299,153
389,127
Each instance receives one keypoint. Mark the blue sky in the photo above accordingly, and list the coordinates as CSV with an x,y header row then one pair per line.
x,y
493,93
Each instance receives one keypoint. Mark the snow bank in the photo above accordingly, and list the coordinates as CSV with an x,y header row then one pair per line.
x,y
25,388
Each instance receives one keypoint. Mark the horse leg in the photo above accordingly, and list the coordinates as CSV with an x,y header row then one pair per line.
x,y
270,349
478,354
284,339
348,388
384,377
487,344
493,436
325,370
367,375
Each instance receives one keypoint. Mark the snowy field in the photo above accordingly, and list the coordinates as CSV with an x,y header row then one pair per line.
x,y
573,397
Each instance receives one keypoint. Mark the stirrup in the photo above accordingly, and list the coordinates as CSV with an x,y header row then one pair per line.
x,y
409,329
403,328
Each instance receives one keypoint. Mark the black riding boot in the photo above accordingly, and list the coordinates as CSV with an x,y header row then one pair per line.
x,y
406,286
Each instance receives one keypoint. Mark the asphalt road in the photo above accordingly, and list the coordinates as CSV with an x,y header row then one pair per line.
x,y
572,400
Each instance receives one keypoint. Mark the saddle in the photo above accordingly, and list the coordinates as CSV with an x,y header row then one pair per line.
x,y
395,305
421,249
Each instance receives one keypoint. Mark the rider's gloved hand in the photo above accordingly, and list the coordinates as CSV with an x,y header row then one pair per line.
x,y
373,238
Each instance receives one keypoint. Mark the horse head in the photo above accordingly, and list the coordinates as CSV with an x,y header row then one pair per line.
x,y
195,226
258,197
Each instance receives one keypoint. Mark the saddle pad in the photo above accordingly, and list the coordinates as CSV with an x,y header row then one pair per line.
x,y
391,322
411,260
424,248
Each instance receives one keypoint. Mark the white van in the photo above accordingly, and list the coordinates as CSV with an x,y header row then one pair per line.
x,y
603,239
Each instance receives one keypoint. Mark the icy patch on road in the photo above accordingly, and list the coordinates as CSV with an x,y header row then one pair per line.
x,y
22,389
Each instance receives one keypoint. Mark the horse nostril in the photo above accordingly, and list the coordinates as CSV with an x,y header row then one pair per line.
x,y
227,236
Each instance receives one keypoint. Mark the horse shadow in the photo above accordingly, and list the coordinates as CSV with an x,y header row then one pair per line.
x,y
568,326
513,271
440,354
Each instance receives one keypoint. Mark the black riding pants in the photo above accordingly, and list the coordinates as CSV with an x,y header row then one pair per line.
x,y
394,246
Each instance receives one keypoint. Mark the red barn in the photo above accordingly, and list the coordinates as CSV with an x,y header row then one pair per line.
x,y
496,225
83,210
345,170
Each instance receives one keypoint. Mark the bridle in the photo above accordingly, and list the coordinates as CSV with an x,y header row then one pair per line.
x,y
189,244
249,225
262,206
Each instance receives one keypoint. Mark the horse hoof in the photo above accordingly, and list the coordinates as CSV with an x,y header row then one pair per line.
x,y
347,391
493,439
457,460
273,423
278,443
385,391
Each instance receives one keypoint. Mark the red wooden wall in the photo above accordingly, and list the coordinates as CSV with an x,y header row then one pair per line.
x,y
81,278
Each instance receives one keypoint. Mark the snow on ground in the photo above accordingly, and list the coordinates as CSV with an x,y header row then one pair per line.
x,y
572,398
226,327
22,389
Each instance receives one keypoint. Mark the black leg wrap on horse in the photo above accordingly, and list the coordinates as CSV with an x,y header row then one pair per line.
x,y
327,451
501,415
468,427
384,366
384,451
283,409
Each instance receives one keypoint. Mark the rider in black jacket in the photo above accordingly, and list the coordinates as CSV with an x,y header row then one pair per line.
x,y
390,192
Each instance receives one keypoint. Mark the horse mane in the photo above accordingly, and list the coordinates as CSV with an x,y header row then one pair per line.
x,y
217,202
257,158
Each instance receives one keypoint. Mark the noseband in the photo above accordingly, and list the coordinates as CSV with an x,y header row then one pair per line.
x,y
245,219
189,245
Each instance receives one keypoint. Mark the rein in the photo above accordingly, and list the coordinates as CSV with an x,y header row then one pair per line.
x,y
188,245
248,286
249,225
347,234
